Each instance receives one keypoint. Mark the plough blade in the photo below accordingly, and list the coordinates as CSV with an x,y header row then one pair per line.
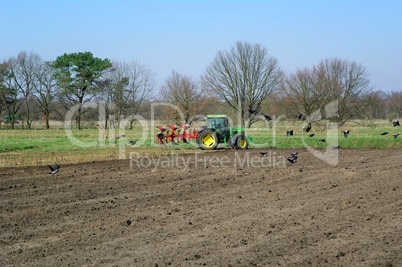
x,y
176,133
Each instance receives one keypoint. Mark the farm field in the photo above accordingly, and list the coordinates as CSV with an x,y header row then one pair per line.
x,y
190,210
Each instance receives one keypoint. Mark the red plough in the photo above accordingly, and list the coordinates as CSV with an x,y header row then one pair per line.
x,y
176,133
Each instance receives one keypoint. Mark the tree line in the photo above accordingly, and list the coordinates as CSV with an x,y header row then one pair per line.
x,y
245,81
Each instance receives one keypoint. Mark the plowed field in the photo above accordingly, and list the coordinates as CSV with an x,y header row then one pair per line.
x,y
224,208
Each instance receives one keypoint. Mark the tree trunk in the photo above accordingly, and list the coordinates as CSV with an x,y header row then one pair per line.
x,y
28,114
12,121
47,120
78,119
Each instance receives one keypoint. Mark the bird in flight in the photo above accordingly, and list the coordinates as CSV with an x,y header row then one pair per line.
x,y
384,133
308,128
267,118
395,123
54,170
346,133
264,154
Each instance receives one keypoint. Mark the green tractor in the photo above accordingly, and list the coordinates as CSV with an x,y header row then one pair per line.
x,y
218,131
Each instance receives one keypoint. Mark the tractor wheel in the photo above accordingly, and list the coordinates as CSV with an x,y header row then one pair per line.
x,y
207,139
241,142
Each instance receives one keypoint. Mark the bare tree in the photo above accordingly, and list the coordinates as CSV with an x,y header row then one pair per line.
x,y
303,95
183,92
23,68
394,104
106,96
332,79
377,107
141,84
243,77
9,93
45,90
125,88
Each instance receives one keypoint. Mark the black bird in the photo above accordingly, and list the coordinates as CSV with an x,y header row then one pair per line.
x,y
322,140
264,154
384,133
396,123
55,169
293,158
311,135
396,135
252,111
131,142
300,117
289,132
268,118
346,133
308,128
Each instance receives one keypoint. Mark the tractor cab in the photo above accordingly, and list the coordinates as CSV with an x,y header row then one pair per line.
x,y
221,124
217,121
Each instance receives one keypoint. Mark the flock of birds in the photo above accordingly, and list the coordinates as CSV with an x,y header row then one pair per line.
x,y
345,132
293,156
394,123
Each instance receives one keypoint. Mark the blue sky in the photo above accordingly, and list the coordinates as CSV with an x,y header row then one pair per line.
x,y
186,35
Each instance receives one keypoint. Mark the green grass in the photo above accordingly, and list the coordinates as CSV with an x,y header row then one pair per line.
x,y
41,147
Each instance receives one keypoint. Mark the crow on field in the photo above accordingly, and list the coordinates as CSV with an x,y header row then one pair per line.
x,y
322,140
396,135
311,135
396,123
384,133
293,158
54,170
293,155
289,132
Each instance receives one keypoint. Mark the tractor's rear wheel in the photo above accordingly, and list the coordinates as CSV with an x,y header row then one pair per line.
x,y
241,142
207,139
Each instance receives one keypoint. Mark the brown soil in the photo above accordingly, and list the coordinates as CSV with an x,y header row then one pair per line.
x,y
113,214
